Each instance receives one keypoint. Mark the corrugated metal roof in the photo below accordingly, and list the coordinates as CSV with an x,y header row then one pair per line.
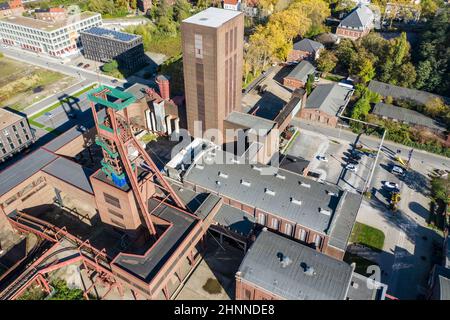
x,y
314,196
329,279
70,172
23,169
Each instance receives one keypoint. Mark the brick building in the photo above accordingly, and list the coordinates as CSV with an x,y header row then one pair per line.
x,y
11,8
212,66
356,24
51,14
305,49
298,77
314,213
15,134
276,268
325,103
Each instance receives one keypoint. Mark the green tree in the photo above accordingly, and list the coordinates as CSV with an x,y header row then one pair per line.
x,y
435,107
327,61
309,84
182,10
366,70
63,292
110,66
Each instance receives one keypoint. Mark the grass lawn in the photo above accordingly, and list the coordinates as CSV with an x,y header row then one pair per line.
x,y
22,84
333,77
361,263
367,236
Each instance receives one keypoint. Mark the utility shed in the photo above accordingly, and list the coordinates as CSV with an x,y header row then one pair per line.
x,y
289,270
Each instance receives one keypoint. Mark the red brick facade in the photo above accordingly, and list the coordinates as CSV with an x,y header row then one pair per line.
x,y
319,116
350,33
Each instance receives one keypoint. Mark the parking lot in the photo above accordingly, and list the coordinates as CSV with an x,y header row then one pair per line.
x,y
312,146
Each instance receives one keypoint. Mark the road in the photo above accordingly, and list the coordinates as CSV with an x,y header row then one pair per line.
x,y
389,148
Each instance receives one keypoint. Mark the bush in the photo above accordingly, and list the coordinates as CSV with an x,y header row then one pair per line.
x,y
212,286
63,292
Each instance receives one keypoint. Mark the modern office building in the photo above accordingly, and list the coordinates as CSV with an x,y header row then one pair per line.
x,y
102,45
212,65
15,134
53,38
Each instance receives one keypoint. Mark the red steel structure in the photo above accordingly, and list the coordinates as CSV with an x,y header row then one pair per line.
x,y
123,154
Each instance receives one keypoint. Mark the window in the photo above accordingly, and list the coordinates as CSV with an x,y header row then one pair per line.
x,y
302,235
275,224
262,218
198,46
118,223
288,229
115,213
247,294
317,241
112,200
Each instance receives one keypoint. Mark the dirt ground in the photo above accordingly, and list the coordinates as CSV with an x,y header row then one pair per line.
x,y
22,84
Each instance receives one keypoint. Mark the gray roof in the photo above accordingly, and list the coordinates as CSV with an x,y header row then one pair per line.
x,y
137,90
111,34
23,169
329,280
308,45
250,121
396,92
302,71
61,140
207,205
406,115
148,265
212,17
237,220
319,201
361,289
344,220
359,18
329,98
70,172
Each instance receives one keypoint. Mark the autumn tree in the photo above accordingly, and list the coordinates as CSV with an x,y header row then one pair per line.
x,y
327,61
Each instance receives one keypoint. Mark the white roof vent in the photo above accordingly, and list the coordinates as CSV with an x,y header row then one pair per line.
x,y
284,260
270,192
257,168
223,175
233,160
325,211
199,166
330,193
279,176
295,201
245,183
218,183
309,271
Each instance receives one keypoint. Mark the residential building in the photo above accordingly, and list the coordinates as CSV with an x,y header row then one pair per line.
x,y
212,65
15,134
356,24
51,14
277,268
305,49
298,77
232,5
325,103
439,283
407,116
328,39
103,45
54,38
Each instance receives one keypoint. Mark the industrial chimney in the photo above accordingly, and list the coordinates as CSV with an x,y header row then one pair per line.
x,y
164,87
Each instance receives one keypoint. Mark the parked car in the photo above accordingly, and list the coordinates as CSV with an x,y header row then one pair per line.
x,y
351,167
114,81
80,64
353,161
391,185
322,158
398,170
86,66
356,157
